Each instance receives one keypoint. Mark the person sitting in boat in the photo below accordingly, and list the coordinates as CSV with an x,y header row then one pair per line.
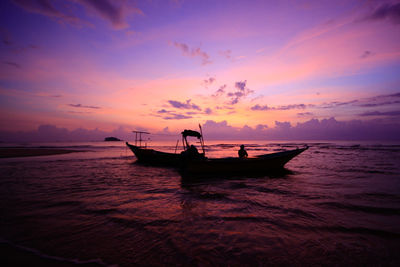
x,y
242,152
191,152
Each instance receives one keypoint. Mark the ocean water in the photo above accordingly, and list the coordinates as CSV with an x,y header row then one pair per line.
x,y
336,204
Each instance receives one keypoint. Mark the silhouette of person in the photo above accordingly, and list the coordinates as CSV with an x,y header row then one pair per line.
x,y
242,152
193,150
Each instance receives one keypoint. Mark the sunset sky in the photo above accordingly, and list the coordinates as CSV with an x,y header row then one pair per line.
x,y
154,64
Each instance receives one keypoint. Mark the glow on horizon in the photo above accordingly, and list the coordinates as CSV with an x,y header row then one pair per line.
x,y
157,64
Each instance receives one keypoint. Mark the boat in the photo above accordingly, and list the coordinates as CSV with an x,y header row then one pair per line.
x,y
190,161
260,164
154,157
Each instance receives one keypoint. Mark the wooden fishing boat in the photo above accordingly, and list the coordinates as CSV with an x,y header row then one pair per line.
x,y
154,157
191,161
260,164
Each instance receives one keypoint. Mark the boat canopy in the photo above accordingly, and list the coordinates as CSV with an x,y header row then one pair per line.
x,y
191,133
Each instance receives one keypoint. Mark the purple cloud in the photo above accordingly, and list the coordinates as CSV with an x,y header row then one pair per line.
x,y
113,11
46,8
375,101
182,105
177,117
5,36
305,114
378,113
285,107
386,12
380,104
258,107
336,104
52,133
162,111
194,52
366,54
241,92
226,53
208,111
13,64
220,91
326,129
208,81
83,106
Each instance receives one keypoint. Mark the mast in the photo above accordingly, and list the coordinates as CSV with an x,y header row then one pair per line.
x,y
202,140
140,137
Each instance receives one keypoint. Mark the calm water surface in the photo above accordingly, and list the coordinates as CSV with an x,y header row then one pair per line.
x,y
335,204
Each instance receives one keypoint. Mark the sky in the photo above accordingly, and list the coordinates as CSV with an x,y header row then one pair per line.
x,y
242,69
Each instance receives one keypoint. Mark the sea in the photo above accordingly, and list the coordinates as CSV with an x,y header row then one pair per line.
x,y
336,204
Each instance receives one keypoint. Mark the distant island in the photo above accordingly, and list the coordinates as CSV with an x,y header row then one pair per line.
x,y
111,139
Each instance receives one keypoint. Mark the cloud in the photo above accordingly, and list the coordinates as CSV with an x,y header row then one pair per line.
x,y
113,11
79,112
394,113
226,53
285,107
380,104
5,36
172,115
46,8
375,101
52,133
209,81
162,111
366,54
194,52
386,12
241,92
10,63
83,106
177,117
305,114
220,91
258,107
336,104
326,129
182,105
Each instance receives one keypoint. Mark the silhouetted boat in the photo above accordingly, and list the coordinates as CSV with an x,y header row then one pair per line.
x,y
190,161
155,157
260,164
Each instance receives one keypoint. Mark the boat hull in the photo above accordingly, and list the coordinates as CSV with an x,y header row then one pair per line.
x,y
154,157
261,164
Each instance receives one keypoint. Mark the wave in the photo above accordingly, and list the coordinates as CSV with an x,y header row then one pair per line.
x,y
360,230
362,208
14,250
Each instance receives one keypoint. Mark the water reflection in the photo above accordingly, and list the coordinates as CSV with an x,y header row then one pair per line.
x,y
335,203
